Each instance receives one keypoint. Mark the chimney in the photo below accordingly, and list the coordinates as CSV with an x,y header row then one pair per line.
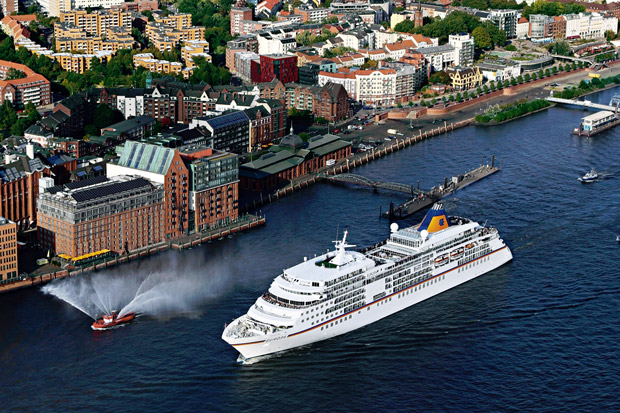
x,y
30,151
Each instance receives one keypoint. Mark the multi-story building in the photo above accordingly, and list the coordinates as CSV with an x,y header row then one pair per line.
x,y
505,20
463,45
162,166
79,63
8,7
539,26
130,129
376,86
329,101
195,48
91,45
276,66
148,61
16,26
276,41
167,32
77,112
32,88
439,57
228,132
19,186
465,78
214,187
8,250
237,16
96,23
120,214
308,14
309,74
523,28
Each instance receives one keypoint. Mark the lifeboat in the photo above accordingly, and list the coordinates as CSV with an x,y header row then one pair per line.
x,y
468,246
441,260
457,253
112,320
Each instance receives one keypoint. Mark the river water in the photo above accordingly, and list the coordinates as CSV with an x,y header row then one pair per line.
x,y
538,333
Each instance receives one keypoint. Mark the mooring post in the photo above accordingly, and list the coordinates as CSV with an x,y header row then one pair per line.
x,y
492,161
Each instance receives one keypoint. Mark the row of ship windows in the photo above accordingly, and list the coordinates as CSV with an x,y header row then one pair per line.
x,y
473,264
383,302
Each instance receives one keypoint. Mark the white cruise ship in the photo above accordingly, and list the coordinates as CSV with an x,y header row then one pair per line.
x,y
343,290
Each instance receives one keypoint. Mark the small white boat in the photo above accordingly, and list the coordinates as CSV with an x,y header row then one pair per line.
x,y
589,177
618,238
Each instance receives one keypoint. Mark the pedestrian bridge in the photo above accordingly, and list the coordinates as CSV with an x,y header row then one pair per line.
x,y
364,181
582,103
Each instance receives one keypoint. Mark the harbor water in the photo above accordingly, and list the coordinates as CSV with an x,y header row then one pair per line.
x,y
539,333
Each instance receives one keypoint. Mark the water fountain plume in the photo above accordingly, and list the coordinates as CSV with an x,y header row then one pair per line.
x,y
162,286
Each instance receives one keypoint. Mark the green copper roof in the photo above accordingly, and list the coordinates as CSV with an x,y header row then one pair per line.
x,y
146,157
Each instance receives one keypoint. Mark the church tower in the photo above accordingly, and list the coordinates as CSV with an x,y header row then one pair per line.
x,y
418,16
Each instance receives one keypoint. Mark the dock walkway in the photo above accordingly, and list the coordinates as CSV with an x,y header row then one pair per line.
x,y
426,199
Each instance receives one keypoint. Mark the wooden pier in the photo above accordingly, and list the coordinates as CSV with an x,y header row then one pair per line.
x,y
428,198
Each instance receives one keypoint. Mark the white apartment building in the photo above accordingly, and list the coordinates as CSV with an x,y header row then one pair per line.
x,y
358,39
573,25
523,28
272,43
376,86
439,57
347,80
463,45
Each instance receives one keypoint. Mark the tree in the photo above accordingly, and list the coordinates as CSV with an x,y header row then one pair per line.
x,y
370,64
500,85
486,89
511,48
610,35
519,79
399,105
451,98
482,39
13,73
439,78
8,115
534,76
410,103
547,73
580,64
479,91
459,97
554,70
103,116
541,74
337,51
513,81
206,72
562,48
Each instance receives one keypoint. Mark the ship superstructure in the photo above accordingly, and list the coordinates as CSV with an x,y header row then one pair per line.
x,y
343,290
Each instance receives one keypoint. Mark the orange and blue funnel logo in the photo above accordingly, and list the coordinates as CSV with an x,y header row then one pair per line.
x,y
435,220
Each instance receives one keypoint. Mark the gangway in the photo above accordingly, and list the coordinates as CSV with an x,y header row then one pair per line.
x,y
365,181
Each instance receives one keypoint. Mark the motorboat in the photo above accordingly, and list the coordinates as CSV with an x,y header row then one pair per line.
x,y
589,177
112,320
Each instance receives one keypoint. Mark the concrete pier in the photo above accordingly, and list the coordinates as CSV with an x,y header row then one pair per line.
x,y
428,198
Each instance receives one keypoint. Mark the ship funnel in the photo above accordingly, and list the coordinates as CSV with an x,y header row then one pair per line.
x,y
435,220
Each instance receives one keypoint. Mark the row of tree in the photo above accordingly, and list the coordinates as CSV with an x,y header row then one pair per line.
x,y
514,110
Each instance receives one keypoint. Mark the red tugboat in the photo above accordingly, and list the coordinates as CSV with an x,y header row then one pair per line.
x,y
109,321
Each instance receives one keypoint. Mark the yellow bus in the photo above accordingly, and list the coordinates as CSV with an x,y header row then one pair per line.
x,y
596,75
87,258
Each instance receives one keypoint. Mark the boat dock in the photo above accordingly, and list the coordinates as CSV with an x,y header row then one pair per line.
x,y
428,198
583,103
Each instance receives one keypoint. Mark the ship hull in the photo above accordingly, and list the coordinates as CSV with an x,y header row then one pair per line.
x,y
444,278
